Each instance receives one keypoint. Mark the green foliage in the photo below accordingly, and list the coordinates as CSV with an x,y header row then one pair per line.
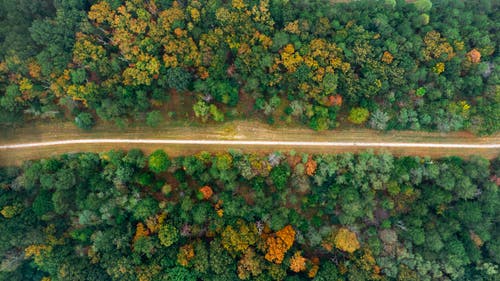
x,y
145,208
379,120
216,113
201,110
154,118
84,121
280,175
144,246
168,235
358,115
423,5
223,161
159,161
421,92
177,78
42,204
440,214
120,58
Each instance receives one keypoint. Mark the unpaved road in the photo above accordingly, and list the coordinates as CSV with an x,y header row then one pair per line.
x,y
247,143
45,140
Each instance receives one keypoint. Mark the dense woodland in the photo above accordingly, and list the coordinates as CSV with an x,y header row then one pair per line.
x,y
231,216
382,64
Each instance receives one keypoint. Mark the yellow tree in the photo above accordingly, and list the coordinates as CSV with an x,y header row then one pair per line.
x,y
290,58
238,239
437,47
346,240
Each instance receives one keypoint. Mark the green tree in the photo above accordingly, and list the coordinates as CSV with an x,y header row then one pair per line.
x,y
144,246
423,5
159,161
220,260
154,118
168,235
280,175
378,120
42,204
216,113
84,121
177,78
201,110
145,208
358,115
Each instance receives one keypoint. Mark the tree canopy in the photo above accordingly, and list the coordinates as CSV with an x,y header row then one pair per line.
x,y
86,216
420,65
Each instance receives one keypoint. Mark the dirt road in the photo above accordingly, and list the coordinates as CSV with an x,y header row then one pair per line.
x,y
252,143
40,141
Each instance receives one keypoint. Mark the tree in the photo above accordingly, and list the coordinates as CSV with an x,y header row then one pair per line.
x,y
250,265
277,245
159,161
297,262
144,246
358,115
474,56
10,211
423,5
310,166
57,36
84,121
346,240
200,260
279,175
378,120
180,273
42,204
216,113
168,235
223,161
206,192
154,118
220,260
201,110
238,239
177,78
145,208
185,255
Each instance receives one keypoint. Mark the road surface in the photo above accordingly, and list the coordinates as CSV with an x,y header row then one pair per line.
x,y
45,140
251,143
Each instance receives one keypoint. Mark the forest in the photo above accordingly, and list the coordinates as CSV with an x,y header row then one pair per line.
x,y
382,64
289,216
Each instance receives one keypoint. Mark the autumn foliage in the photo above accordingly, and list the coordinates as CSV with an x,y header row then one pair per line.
x,y
297,262
237,239
346,240
334,100
311,166
387,57
206,191
279,243
249,265
437,47
186,253
474,56
154,223
141,231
